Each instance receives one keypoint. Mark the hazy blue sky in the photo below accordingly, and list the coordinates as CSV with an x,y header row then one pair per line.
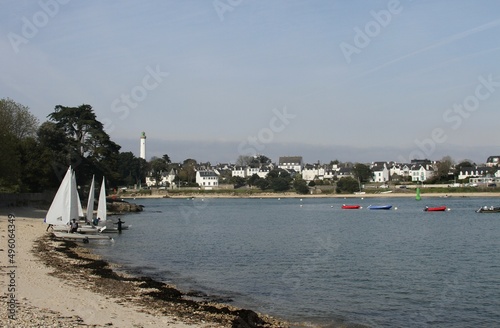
x,y
211,80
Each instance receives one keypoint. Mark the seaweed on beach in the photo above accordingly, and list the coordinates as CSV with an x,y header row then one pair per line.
x,y
69,260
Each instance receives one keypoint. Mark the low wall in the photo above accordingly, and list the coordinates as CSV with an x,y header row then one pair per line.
x,y
26,199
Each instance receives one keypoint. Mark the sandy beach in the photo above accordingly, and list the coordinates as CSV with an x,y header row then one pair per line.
x,y
60,284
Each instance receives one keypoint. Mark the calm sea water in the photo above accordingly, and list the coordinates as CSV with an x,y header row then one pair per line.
x,y
310,261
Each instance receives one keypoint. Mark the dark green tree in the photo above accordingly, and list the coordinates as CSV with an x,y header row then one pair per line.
x,y
279,179
17,125
300,186
253,179
36,169
362,172
187,172
347,185
237,182
262,184
166,158
88,148
132,170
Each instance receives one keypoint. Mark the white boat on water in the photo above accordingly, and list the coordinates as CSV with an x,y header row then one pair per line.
x,y
65,207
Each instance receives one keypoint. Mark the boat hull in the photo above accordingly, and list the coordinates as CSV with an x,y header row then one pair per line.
x,y
435,209
351,207
379,207
490,209
79,236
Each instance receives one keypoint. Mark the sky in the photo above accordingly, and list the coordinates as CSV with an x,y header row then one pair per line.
x,y
354,81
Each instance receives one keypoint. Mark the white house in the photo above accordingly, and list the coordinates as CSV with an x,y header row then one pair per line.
x,y
421,172
165,178
402,170
207,179
311,172
264,171
473,172
251,171
380,172
291,163
239,171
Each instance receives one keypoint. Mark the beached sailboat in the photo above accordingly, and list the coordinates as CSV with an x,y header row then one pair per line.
x,y
90,228
78,202
102,212
64,208
90,202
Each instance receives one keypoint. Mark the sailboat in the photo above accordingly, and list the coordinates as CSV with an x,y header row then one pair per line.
x,y
102,212
90,202
65,207
75,194
89,215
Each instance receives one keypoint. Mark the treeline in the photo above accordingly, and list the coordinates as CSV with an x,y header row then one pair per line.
x,y
35,156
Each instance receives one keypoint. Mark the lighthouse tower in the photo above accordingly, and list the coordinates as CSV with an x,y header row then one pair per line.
x,y
143,146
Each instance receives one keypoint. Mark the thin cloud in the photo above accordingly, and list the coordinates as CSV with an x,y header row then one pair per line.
x,y
441,43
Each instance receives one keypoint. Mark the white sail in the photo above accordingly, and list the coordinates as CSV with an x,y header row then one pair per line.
x,y
77,197
90,202
64,206
101,205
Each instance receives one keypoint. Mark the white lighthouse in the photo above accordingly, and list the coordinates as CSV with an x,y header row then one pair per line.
x,y
143,146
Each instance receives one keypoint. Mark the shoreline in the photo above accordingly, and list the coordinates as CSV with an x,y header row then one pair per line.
x,y
60,283
408,194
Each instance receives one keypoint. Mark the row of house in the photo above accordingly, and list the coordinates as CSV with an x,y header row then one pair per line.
x,y
207,176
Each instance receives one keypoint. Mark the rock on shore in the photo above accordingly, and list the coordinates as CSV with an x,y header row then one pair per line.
x,y
115,205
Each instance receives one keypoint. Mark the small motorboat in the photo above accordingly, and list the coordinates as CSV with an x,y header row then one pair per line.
x,y
489,209
379,207
351,207
435,209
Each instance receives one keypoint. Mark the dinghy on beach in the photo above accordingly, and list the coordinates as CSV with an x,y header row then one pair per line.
x,y
65,207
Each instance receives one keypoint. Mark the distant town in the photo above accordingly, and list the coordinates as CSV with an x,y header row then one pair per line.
x,y
210,176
